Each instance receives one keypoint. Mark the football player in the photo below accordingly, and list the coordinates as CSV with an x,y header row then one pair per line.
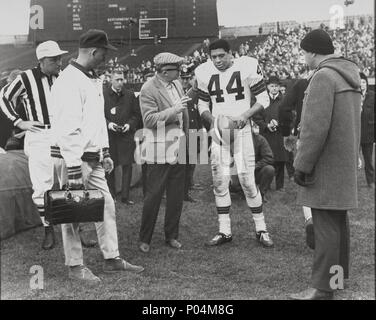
x,y
230,84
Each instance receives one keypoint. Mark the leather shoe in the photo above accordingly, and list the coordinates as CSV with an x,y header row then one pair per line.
x,y
173,243
118,264
83,274
144,247
49,238
312,294
310,235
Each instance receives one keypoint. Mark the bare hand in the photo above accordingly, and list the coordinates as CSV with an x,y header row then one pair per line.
x,y
112,126
290,143
108,164
241,121
30,126
272,125
182,104
126,127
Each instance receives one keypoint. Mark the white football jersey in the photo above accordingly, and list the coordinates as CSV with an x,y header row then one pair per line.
x,y
230,91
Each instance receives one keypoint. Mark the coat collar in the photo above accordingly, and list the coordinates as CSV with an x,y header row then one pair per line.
x,y
89,73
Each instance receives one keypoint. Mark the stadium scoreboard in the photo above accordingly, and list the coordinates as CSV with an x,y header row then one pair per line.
x,y
65,20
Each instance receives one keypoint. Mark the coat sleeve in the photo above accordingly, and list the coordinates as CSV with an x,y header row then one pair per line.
x,y
315,121
67,122
150,110
9,96
135,118
259,119
285,114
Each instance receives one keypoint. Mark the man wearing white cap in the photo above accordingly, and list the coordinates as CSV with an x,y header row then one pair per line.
x,y
33,88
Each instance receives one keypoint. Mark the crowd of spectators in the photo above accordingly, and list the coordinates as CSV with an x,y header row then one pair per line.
x,y
280,55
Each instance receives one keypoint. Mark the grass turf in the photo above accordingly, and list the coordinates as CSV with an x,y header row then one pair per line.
x,y
241,269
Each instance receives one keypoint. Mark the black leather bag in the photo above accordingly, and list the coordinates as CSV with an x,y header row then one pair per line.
x,y
74,206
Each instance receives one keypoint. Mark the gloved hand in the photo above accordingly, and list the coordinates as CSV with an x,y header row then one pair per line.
x,y
303,179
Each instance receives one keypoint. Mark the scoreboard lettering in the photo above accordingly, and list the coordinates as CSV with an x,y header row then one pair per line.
x,y
148,28
65,20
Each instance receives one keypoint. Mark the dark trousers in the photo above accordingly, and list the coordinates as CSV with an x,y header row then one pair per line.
x,y
264,177
161,177
189,171
290,164
332,246
126,181
367,150
279,167
143,170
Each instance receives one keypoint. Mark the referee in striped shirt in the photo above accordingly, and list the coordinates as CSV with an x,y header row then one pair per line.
x,y
33,88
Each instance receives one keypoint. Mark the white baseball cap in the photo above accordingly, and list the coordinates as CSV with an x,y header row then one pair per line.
x,y
49,49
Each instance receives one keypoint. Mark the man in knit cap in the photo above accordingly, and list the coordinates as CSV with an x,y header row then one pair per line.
x,y
326,160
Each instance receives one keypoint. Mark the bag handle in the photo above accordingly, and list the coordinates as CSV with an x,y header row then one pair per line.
x,y
68,194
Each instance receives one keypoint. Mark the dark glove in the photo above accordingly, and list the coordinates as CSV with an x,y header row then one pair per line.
x,y
303,179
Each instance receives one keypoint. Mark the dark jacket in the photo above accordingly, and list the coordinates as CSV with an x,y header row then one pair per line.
x,y
193,113
292,101
263,153
275,139
368,118
330,136
121,109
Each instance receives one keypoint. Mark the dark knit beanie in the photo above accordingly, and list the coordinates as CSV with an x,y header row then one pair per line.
x,y
317,41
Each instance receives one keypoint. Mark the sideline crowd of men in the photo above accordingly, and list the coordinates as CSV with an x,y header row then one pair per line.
x,y
78,131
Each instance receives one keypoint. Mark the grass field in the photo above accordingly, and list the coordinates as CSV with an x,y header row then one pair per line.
x,y
239,270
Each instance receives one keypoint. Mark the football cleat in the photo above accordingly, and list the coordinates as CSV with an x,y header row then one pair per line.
x,y
264,238
219,239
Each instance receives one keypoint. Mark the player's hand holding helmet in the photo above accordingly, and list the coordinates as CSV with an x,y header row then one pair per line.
x,y
224,130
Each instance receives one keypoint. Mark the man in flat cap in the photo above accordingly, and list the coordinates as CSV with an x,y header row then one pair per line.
x,y
81,151
32,89
165,116
326,160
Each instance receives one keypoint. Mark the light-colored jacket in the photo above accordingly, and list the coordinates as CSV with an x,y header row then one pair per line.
x,y
164,138
329,137
78,121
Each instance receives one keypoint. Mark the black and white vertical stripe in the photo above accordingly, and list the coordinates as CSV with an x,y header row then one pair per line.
x,y
33,88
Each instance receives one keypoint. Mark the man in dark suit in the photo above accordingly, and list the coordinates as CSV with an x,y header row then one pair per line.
x,y
123,117
189,83
268,121
165,116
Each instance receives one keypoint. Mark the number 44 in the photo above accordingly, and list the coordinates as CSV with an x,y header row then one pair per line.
x,y
218,92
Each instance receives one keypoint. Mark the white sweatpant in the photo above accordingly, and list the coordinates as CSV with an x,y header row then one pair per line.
x,y
37,149
94,178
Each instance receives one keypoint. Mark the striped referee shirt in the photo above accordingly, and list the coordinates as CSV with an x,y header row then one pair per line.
x,y
32,88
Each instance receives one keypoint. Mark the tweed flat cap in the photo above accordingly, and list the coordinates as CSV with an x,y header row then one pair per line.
x,y
164,58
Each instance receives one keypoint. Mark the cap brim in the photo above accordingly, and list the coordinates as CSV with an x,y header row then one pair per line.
x,y
111,47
